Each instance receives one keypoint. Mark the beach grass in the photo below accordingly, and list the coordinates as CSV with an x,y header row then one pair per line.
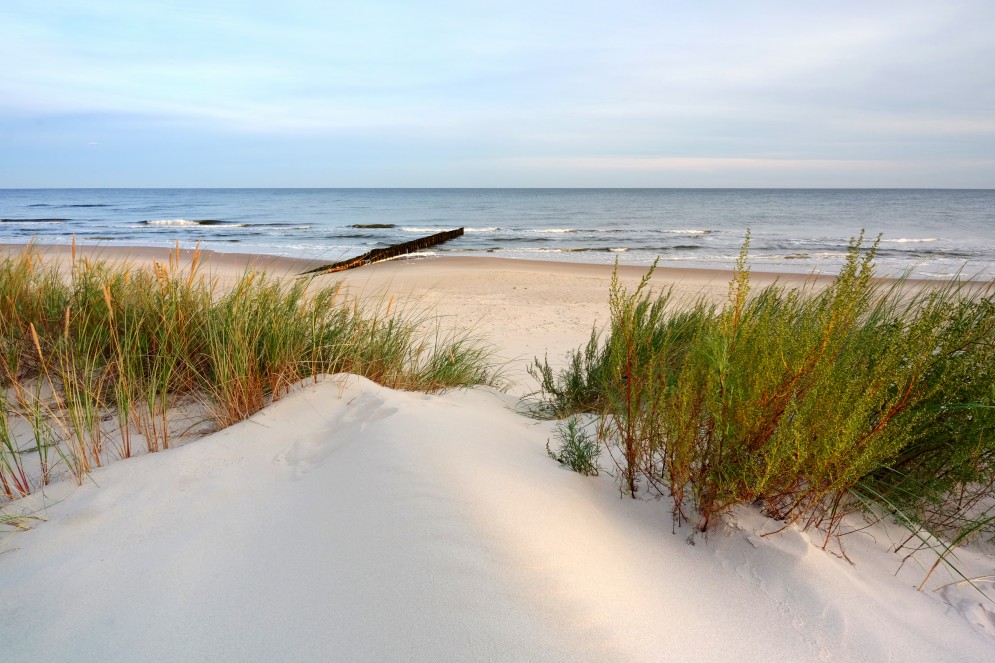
x,y
576,450
96,355
812,402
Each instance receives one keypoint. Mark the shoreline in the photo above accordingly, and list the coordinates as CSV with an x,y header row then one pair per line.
x,y
263,261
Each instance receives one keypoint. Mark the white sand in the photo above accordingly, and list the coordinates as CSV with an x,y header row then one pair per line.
x,y
352,522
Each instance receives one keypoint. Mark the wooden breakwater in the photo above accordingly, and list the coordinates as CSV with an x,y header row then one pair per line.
x,y
393,251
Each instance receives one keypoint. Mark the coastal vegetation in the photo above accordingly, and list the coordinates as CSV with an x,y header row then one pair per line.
x,y
578,450
811,402
97,357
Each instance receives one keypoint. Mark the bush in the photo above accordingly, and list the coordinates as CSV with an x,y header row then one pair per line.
x,y
578,450
814,402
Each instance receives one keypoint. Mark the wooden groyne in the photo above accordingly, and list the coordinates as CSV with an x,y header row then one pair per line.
x,y
393,251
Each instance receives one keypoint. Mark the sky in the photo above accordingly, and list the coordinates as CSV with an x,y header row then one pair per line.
x,y
537,93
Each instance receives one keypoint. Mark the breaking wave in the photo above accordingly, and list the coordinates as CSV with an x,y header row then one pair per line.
x,y
191,222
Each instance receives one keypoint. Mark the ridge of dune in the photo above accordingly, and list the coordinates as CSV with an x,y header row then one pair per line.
x,y
353,522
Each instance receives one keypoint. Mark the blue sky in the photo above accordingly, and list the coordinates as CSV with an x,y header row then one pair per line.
x,y
539,93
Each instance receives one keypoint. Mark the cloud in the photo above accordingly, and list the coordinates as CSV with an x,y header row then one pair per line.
x,y
765,85
708,164
751,172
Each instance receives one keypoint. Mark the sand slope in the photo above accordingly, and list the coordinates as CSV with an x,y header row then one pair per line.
x,y
355,523
359,523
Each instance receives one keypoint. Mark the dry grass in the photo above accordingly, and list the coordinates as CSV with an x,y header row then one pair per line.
x,y
94,356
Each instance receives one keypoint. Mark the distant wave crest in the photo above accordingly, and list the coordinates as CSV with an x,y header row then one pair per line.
x,y
189,222
33,220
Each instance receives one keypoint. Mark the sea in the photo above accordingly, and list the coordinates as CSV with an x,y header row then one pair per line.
x,y
925,233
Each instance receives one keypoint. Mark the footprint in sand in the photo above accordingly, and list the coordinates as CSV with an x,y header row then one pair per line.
x,y
313,449
966,600
365,409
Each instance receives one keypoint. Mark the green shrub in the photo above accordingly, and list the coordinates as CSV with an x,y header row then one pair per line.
x,y
578,450
809,400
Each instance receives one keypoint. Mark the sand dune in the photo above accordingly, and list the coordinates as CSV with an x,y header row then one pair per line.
x,y
352,522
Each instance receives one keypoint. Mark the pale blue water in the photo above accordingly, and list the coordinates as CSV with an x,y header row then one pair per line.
x,y
934,233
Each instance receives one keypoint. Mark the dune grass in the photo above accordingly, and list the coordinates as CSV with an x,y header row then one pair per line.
x,y
94,355
814,403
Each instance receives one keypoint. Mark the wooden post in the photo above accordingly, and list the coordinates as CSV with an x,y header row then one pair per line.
x,y
377,255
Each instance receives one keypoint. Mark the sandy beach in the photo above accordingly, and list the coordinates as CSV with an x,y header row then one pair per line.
x,y
351,522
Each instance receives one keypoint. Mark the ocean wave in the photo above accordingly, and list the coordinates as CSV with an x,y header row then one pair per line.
x,y
372,226
415,229
952,254
551,230
924,252
823,255
658,250
71,205
516,239
174,222
905,240
723,260
372,236
45,220
191,222
583,249
283,226
666,231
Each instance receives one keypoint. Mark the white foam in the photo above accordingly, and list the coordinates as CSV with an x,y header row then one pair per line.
x,y
907,240
171,222
187,223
